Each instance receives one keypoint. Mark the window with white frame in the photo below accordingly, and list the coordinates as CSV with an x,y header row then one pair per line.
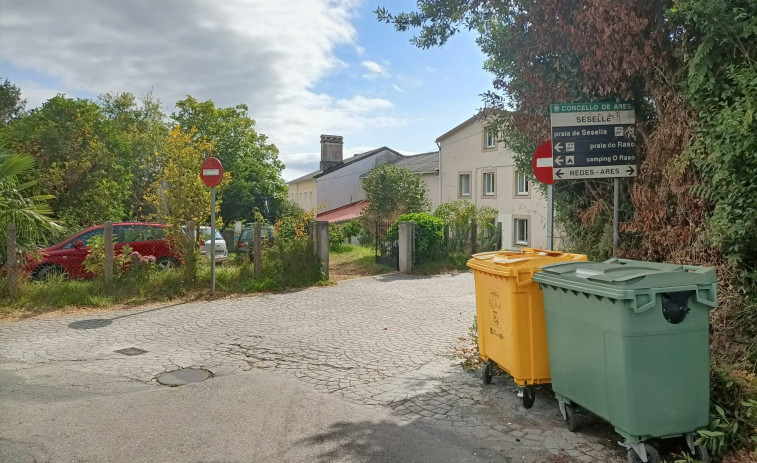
x,y
488,183
464,185
520,229
521,184
491,140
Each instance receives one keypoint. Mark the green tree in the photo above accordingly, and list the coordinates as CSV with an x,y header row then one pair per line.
x,y
31,213
137,130
253,162
68,138
11,104
392,191
178,194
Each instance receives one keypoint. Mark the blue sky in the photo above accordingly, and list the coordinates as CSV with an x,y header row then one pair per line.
x,y
304,67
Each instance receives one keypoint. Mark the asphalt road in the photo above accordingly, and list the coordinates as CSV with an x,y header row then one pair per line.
x,y
364,371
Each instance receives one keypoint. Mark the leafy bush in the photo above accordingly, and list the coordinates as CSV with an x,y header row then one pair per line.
x,y
291,260
336,238
95,260
429,234
733,417
459,215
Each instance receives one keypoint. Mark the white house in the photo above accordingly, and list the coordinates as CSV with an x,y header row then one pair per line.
x,y
473,166
335,190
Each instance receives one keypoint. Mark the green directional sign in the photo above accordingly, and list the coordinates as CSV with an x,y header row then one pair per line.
x,y
593,140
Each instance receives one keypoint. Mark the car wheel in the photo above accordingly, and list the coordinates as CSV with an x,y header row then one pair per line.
x,y
166,263
47,272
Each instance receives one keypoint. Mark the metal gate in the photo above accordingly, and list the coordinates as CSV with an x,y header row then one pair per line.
x,y
387,246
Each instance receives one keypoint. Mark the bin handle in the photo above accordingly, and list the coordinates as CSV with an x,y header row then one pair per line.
x,y
528,277
651,293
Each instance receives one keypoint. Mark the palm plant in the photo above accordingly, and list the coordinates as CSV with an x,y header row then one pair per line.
x,y
31,213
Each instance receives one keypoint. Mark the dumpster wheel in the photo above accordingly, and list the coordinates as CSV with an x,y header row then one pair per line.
x,y
652,455
571,420
487,371
528,396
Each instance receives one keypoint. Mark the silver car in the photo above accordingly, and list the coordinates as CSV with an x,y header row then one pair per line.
x,y
221,252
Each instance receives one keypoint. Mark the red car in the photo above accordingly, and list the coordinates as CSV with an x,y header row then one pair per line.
x,y
67,258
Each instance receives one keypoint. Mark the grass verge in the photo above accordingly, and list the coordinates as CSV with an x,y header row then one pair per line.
x,y
39,297
354,261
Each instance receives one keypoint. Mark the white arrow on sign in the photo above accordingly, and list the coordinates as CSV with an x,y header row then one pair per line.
x,y
558,160
558,147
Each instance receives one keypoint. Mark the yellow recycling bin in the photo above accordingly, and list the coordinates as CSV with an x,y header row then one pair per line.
x,y
510,315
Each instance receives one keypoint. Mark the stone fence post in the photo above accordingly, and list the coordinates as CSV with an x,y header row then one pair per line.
x,y
406,246
320,233
12,260
257,249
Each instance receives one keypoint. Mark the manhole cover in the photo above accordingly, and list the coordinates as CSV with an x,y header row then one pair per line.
x,y
131,351
183,376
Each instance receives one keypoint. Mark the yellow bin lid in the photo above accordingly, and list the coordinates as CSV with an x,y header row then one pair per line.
x,y
513,263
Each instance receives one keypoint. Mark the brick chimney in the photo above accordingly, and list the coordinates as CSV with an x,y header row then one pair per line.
x,y
331,151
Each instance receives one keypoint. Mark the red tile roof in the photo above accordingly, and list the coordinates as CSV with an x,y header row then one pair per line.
x,y
344,213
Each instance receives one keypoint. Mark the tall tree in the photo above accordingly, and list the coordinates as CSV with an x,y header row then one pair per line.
x,y
253,162
392,191
178,194
138,129
11,104
68,139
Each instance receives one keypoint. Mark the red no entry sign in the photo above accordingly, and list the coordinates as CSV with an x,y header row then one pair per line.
x,y
211,172
542,163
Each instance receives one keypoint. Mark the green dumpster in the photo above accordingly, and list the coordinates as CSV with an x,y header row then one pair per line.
x,y
629,342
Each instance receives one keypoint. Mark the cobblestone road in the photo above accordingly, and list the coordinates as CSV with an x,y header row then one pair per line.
x,y
385,341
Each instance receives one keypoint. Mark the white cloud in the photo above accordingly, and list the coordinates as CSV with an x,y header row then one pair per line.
x,y
394,86
374,69
35,94
359,50
362,105
269,55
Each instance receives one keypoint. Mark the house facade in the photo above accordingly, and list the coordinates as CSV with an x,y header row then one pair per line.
x,y
335,191
474,167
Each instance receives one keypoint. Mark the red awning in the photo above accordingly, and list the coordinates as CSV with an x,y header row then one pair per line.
x,y
344,213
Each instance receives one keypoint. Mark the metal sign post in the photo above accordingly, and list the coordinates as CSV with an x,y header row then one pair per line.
x,y
211,173
550,219
212,240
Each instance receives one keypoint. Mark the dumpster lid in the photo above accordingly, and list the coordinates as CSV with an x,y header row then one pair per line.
x,y
508,263
627,274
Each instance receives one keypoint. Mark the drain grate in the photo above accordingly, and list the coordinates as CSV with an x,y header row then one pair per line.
x,y
130,351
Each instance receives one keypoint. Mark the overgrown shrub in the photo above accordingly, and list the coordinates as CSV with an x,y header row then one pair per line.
x,y
336,238
459,216
95,260
291,260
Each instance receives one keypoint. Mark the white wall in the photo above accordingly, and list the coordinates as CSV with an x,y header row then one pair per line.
x,y
464,151
432,183
303,193
342,186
